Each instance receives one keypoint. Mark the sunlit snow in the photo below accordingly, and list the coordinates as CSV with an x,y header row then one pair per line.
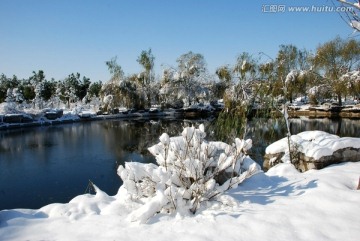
x,y
281,204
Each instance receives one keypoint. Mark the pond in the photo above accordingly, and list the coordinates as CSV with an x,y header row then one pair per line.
x,y
50,164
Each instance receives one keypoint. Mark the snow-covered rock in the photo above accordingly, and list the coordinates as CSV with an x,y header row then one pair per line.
x,y
53,114
313,150
87,114
16,118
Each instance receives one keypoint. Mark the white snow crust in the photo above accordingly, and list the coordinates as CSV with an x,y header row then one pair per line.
x,y
281,204
314,144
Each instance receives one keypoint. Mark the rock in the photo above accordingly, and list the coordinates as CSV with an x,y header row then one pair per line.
x,y
313,150
16,118
348,154
271,160
86,114
53,114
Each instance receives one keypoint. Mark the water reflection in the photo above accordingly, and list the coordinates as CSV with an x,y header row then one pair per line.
x,y
54,163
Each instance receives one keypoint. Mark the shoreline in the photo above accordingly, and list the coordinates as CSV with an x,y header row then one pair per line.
x,y
24,122
76,118
345,113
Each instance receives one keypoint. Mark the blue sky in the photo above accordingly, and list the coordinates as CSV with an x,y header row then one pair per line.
x,y
62,37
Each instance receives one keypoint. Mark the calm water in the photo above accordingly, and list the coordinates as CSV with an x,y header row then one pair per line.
x,y
50,164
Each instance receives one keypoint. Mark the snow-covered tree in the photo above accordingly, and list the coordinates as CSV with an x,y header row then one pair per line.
x,y
225,75
169,88
245,71
153,93
38,100
18,95
190,171
10,96
335,58
188,83
6,84
146,60
191,65
115,70
352,80
293,70
296,81
69,93
318,93
112,87
37,81
191,71
56,98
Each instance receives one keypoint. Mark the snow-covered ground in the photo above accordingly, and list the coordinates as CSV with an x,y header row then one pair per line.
x,y
281,204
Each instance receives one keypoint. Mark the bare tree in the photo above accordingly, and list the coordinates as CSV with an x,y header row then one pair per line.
x,y
353,15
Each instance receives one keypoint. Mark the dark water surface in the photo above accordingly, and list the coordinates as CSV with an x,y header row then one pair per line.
x,y
50,164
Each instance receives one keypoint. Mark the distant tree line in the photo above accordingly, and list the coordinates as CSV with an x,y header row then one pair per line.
x,y
37,88
332,71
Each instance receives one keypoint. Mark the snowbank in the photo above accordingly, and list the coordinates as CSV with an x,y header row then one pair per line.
x,y
281,204
315,144
314,147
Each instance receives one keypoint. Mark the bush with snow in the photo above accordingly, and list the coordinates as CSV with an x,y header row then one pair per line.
x,y
190,171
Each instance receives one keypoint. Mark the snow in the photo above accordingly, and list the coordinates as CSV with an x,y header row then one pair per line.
x,y
314,144
352,76
293,75
355,24
281,204
190,172
87,113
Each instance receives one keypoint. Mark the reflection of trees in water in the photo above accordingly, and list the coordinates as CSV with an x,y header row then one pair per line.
x,y
39,140
263,132
129,140
338,126
49,142
18,140
119,138
350,127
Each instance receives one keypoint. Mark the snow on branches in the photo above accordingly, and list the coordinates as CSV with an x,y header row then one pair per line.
x,y
190,171
352,76
352,13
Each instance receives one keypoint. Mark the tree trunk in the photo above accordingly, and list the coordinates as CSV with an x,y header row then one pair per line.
x,y
291,97
339,99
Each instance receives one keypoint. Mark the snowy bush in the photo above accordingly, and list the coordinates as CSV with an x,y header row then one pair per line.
x,y
190,171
